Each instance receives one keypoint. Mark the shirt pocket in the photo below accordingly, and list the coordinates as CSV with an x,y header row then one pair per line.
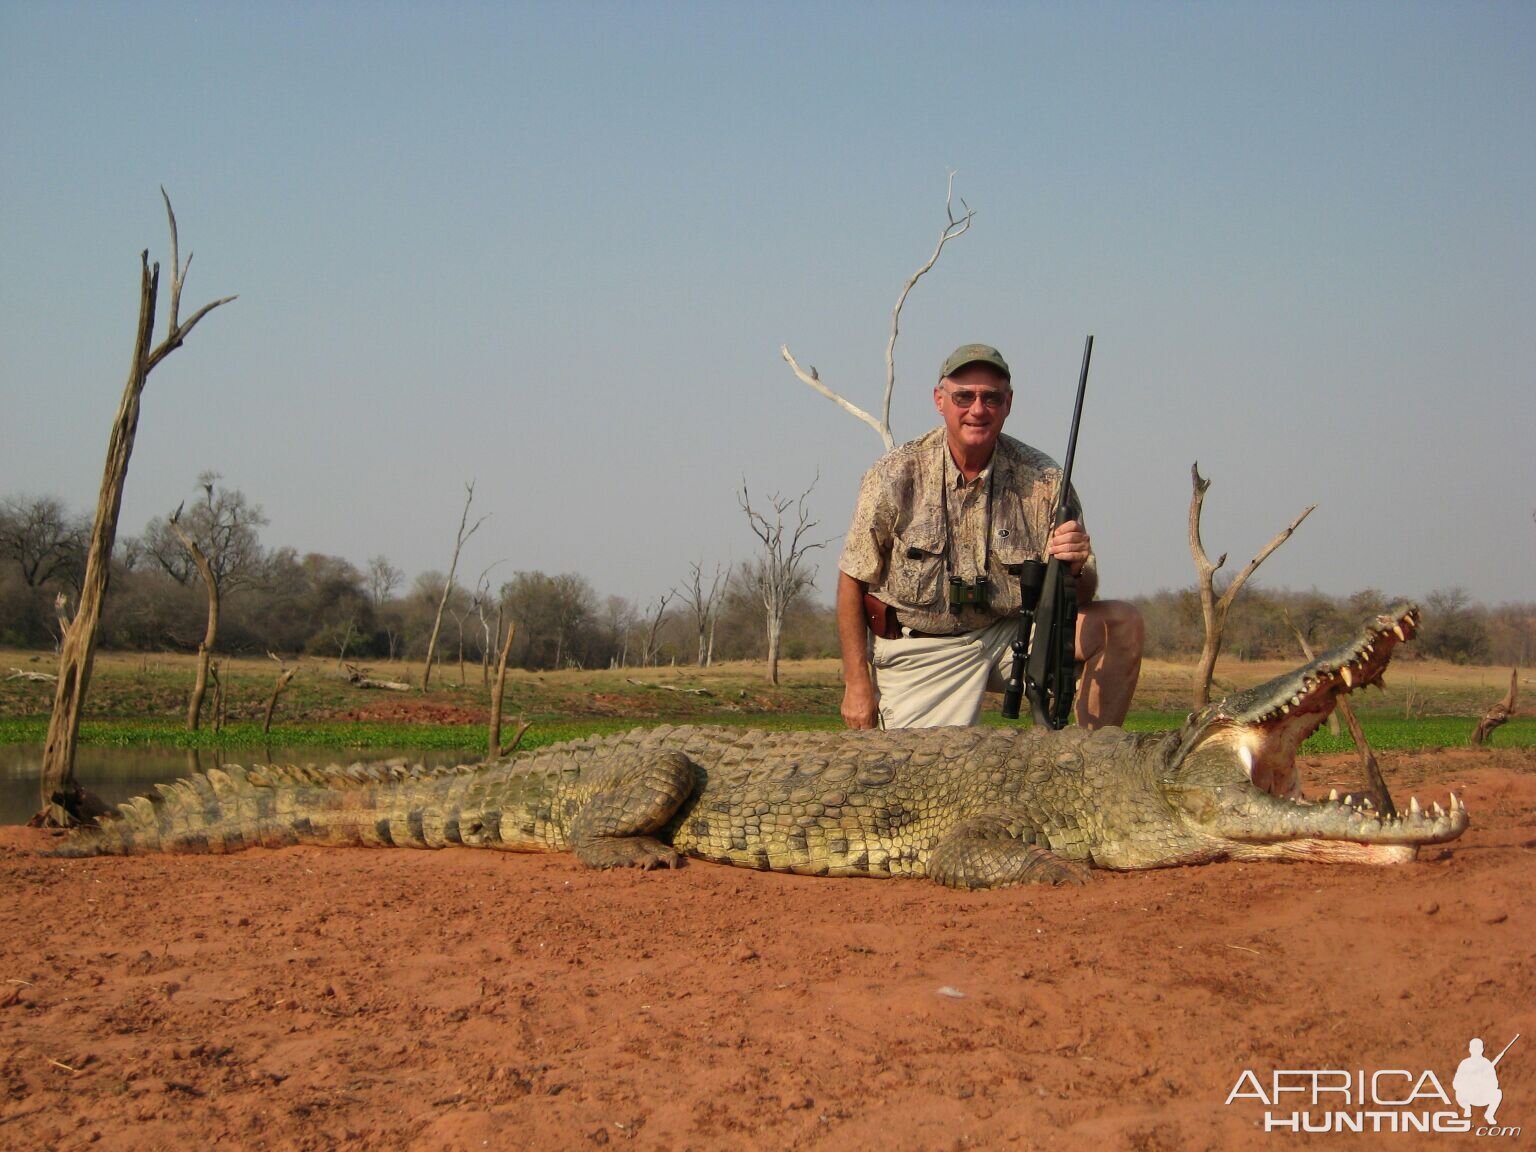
x,y
1014,540
917,565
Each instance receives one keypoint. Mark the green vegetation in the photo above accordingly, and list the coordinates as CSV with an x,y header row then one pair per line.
x,y
138,701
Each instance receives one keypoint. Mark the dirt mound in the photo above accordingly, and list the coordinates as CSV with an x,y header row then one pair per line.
x,y
352,999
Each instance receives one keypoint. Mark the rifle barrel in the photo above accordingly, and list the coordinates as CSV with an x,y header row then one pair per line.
x,y
1506,1048
1077,416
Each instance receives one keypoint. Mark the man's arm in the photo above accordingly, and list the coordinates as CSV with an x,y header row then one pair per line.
x,y
859,710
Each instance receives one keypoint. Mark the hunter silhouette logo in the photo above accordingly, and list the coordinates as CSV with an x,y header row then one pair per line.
x,y
1477,1080
1379,1101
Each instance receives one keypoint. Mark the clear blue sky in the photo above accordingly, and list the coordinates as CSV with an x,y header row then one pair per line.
x,y
555,248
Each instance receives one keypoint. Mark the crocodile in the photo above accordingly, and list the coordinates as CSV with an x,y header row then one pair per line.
x,y
966,807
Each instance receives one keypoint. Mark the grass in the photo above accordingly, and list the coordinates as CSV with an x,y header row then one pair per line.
x,y
138,700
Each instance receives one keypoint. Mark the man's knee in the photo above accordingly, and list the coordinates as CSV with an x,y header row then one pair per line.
x,y
1127,630
1114,627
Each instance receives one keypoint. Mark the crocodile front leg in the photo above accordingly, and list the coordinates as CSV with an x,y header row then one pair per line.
x,y
998,851
628,802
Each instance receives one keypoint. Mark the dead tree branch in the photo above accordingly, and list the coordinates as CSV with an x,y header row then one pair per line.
x,y
1497,714
954,226
517,737
77,651
284,675
1214,609
442,603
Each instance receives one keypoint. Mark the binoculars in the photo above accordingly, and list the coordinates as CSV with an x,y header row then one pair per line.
x,y
963,593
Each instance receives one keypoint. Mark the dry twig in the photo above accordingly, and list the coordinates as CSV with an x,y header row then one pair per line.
x,y
953,227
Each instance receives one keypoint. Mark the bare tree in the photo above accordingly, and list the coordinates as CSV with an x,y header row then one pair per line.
x,y
704,606
1214,610
953,227
779,574
481,604
383,579
220,538
42,539
60,793
618,624
656,613
466,530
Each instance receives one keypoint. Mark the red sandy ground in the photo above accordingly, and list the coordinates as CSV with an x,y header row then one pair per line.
x,y
355,999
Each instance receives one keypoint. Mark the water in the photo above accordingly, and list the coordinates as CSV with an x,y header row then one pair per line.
x,y
116,774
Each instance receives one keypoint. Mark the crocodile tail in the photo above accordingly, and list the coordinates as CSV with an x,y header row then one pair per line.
x,y
230,809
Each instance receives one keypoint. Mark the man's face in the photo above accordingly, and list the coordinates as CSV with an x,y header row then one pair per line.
x,y
975,427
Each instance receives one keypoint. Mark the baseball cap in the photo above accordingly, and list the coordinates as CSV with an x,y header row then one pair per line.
x,y
974,354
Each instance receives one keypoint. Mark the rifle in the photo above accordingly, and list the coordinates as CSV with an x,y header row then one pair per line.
x,y
1044,651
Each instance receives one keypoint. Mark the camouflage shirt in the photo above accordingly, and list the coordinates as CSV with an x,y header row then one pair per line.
x,y
919,522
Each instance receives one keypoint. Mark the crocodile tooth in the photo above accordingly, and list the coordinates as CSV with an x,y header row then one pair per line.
x,y
1413,805
1397,630
1333,794
1437,810
1456,804
1348,675
1366,803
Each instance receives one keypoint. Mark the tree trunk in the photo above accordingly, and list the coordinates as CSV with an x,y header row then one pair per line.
x,y
211,633
775,634
77,652
77,649
494,733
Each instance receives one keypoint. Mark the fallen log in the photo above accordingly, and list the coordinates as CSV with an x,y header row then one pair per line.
x,y
39,677
359,678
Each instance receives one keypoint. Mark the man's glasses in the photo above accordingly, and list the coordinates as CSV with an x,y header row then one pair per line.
x,y
965,397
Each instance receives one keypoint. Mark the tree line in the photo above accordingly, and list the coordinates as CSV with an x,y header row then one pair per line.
x,y
276,600
272,599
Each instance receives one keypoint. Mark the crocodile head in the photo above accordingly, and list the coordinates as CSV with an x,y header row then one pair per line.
x,y
1232,772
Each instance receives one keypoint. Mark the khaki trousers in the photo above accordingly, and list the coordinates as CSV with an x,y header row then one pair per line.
x,y
931,681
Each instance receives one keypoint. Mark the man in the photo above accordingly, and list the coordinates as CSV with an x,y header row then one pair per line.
x,y
939,523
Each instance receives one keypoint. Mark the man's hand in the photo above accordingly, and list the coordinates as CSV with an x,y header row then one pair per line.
x,y
1070,545
859,710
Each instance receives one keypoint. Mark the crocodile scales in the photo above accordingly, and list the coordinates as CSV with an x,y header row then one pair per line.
x,y
967,807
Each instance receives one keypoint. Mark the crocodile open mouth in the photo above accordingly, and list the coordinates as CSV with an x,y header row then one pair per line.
x,y
1265,726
